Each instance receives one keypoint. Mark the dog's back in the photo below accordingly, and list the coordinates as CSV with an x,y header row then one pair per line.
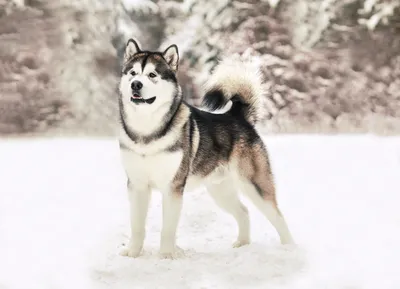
x,y
220,136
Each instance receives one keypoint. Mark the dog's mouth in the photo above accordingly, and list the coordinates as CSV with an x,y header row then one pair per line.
x,y
137,99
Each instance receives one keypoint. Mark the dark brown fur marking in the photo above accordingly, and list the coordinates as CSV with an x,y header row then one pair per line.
x,y
179,182
255,167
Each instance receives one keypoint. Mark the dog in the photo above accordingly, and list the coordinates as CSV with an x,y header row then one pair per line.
x,y
170,146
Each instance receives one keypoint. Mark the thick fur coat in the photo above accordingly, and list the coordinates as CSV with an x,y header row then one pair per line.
x,y
170,146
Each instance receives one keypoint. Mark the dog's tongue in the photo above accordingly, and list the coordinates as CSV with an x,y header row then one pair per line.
x,y
135,95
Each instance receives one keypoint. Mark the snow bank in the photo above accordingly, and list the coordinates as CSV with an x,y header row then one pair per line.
x,y
64,215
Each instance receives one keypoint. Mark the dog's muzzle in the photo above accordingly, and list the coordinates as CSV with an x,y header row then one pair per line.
x,y
136,97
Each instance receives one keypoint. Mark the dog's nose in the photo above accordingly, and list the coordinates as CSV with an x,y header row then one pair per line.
x,y
136,85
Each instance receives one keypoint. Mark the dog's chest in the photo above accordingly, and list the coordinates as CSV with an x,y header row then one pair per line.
x,y
157,170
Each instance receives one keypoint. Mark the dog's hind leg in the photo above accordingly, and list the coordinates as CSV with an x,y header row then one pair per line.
x,y
262,193
257,183
226,197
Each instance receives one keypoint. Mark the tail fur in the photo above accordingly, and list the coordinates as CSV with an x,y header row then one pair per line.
x,y
238,82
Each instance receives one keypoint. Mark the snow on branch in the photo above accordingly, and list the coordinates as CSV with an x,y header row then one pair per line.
x,y
375,12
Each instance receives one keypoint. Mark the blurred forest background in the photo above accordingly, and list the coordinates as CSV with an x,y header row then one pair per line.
x,y
329,65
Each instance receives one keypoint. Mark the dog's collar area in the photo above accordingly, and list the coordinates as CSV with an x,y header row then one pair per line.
x,y
142,100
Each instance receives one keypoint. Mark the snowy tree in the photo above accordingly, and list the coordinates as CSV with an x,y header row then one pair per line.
x,y
328,65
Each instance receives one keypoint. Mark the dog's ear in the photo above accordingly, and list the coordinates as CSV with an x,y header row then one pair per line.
x,y
132,47
171,55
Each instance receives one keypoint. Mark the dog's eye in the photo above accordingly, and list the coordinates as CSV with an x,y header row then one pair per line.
x,y
152,75
133,73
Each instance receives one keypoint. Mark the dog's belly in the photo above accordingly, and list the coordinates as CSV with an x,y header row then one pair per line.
x,y
193,183
217,176
156,171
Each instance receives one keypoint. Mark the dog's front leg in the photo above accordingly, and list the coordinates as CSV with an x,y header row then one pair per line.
x,y
172,206
172,202
139,197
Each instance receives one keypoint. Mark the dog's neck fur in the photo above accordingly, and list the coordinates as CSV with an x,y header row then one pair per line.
x,y
144,125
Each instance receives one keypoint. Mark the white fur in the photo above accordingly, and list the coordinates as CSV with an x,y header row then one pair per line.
x,y
219,175
147,172
172,207
226,197
139,198
233,74
156,170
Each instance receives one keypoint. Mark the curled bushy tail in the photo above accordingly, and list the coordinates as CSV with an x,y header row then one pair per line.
x,y
239,82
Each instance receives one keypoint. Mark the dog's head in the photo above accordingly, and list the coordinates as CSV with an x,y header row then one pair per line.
x,y
149,78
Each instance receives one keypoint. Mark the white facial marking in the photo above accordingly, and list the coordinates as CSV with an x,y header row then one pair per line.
x,y
149,68
146,118
137,68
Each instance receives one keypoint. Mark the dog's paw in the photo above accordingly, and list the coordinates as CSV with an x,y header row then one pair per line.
x,y
240,243
172,254
131,251
287,241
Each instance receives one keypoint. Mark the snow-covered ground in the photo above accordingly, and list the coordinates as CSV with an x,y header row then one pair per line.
x,y
64,216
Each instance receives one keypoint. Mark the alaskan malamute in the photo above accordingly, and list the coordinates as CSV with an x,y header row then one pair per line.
x,y
170,146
